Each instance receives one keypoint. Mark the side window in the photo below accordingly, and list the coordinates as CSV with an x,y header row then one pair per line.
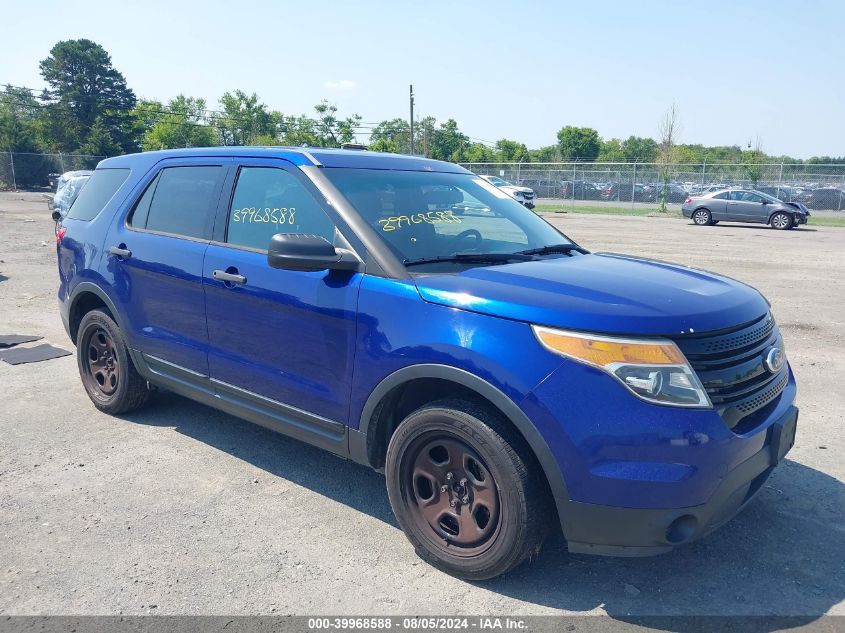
x,y
721,196
753,197
269,200
142,209
181,201
100,188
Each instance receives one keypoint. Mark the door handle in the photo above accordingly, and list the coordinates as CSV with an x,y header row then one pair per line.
x,y
120,251
732,203
232,278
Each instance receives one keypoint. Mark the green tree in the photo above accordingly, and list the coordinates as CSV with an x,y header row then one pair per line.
x,y
332,131
298,130
245,120
638,148
512,151
392,136
424,131
19,125
611,151
180,124
480,153
547,154
99,142
87,89
448,142
753,162
582,143
667,156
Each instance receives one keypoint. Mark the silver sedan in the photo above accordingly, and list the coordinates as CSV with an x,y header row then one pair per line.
x,y
744,205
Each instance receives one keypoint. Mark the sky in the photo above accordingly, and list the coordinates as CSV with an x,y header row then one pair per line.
x,y
738,71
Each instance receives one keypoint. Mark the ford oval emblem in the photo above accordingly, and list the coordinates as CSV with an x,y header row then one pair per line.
x,y
774,360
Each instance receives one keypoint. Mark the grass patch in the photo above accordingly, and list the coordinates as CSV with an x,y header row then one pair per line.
x,y
600,210
825,221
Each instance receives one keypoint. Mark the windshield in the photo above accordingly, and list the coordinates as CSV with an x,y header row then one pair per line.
x,y
429,215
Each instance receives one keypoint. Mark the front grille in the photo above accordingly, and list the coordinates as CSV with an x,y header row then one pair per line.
x,y
730,365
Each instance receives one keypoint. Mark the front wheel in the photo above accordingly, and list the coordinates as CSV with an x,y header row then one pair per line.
x,y
466,491
781,221
702,217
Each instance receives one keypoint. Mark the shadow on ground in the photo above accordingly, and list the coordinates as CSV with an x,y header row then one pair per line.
x,y
784,555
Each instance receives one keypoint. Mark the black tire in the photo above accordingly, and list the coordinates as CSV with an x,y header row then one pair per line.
x,y
781,221
702,217
108,374
500,512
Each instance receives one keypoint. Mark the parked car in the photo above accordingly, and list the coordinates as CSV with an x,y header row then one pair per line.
x,y
68,186
674,193
829,198
581,189
544,188
744,205
623,191
523,195
505,379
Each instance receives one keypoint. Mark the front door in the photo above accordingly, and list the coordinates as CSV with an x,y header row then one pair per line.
x,y
285,336
746,206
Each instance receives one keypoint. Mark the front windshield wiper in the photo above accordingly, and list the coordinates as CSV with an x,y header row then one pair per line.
x,y
472,258
554,248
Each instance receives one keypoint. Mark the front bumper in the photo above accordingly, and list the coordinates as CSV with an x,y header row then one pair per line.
x,y
614,531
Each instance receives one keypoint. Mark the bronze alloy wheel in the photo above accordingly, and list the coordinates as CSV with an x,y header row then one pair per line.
x,y
451,494
102,368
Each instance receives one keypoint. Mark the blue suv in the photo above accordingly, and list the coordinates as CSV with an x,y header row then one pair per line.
x,y
408,315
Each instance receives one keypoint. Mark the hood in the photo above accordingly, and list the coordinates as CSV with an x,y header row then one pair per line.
x,y
606,293
515,188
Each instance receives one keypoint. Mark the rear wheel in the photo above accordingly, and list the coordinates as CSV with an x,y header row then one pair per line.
x,y
107,372
781,221
465,490
702,217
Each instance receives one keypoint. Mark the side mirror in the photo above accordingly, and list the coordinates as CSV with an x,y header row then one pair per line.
x,y
765,201
310,253
56,215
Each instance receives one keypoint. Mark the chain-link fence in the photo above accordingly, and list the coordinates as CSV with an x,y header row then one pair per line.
x,y
817,186
36,171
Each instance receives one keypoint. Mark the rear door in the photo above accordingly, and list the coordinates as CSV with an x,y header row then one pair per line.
x,y
283,340
155,255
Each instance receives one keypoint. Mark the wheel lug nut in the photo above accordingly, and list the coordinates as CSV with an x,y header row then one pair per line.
x,y
463,481
449,476
453,503
444,488
465,499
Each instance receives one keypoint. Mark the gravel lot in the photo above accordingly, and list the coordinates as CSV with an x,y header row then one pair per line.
x,y
180,509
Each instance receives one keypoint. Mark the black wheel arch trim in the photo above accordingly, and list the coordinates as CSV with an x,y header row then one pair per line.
x,y
358,447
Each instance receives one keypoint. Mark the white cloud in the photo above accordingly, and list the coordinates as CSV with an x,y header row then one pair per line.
x,y
343,84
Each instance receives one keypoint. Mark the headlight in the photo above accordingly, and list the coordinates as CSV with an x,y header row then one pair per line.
x,y
652,369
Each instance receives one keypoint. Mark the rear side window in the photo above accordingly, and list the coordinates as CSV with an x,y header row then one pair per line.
x,y
96,194
721,196
180,201
269,200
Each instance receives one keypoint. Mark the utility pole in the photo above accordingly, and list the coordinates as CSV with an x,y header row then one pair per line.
x,y
412,119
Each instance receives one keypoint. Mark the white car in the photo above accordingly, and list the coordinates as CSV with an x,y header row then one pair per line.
x,y
523,195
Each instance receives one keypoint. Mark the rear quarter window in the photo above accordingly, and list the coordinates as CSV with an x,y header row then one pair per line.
x,y
97,193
